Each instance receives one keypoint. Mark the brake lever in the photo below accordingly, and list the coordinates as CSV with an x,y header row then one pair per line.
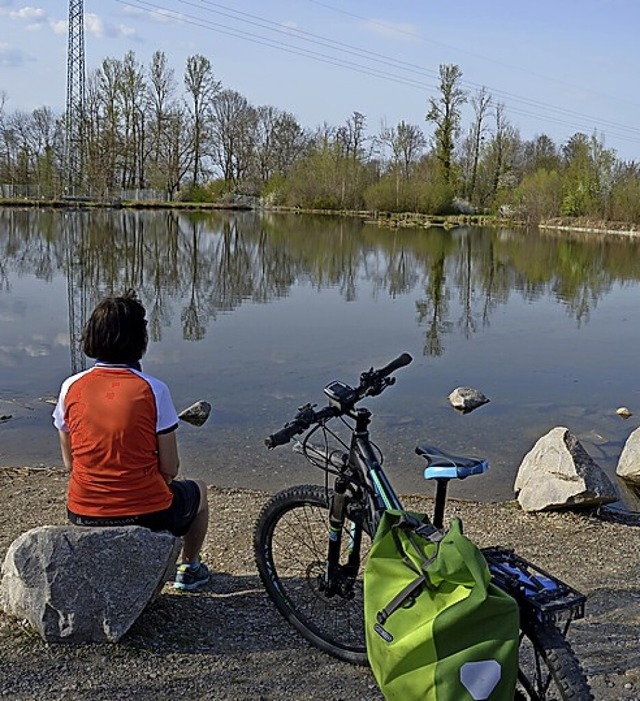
x,y
379,384
305,414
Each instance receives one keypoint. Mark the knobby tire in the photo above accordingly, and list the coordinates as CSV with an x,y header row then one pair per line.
x,y
548,668
290,541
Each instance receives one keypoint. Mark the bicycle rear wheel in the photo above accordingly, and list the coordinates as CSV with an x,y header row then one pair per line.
x,y
548,669
291,539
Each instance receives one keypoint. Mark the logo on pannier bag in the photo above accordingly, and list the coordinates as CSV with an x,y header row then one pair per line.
x,y
385,635
480,678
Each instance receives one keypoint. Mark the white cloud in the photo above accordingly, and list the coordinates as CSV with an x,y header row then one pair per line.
x,y
93,24
59,26
11,355
125,31
29,13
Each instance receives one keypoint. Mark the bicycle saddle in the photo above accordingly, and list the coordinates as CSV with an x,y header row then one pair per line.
x,y
441,465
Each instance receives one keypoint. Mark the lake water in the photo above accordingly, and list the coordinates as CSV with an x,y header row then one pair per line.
x,y
257,312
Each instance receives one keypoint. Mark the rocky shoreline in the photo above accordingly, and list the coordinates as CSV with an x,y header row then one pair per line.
x,y
228,642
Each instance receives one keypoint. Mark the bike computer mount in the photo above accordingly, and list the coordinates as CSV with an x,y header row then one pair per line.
x,y
341,395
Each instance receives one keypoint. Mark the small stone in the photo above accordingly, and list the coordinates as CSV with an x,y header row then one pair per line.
x,y
623,412
196,414
466,399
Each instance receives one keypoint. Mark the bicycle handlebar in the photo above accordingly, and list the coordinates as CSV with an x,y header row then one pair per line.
x,y
305,417
400,362
283,436
372,383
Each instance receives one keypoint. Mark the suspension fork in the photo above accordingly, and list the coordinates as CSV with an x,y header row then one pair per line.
x,y
338,578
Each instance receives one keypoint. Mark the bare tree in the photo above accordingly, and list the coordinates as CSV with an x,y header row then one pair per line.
x,y
202,86
47,139
234,125
176,148
481,103
279,141
290,142
407,143
162,89
351,137
133,95
499,147
107,90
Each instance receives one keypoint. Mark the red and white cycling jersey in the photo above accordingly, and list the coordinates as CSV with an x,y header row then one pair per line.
x,y
113,414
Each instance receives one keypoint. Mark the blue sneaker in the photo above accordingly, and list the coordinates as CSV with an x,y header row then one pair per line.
x,y
189,578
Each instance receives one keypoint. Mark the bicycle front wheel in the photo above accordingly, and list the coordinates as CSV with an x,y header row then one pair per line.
x,y
291,540
548,669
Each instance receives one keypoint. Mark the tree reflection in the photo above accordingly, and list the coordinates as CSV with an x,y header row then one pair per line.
x,y
207,263
433,310
193,327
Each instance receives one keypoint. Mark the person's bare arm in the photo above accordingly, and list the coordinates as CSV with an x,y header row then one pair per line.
x,y
168,460
65,447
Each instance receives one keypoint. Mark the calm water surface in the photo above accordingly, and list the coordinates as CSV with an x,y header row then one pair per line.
x,y
256,313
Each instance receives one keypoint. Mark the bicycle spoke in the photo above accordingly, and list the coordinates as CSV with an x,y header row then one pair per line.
x,y
295,570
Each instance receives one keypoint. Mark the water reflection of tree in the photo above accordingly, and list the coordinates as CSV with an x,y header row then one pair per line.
x,y
482,280
466,287
433,310
163,273
217,262
582,281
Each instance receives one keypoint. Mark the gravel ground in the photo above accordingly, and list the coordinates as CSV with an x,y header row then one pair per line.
x,y
228,642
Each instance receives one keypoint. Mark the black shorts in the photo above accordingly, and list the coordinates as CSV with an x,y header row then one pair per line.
x,y
177,519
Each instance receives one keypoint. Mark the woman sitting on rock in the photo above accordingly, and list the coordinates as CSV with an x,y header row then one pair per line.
x,y
117,428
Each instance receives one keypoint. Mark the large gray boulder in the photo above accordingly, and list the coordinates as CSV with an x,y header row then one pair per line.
x,y
629,463
76,584
558,473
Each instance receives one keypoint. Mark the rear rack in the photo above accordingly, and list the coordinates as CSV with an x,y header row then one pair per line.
x,y
542,594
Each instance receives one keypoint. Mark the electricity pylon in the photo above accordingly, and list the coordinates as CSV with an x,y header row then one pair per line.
x,y
74,182
74,114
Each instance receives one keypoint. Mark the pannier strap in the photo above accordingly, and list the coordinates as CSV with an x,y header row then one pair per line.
x,y
405,598
412,526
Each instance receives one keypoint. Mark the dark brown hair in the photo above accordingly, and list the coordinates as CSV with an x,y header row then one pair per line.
x,y
116,331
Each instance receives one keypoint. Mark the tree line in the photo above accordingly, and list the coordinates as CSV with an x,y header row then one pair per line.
x,y
196,140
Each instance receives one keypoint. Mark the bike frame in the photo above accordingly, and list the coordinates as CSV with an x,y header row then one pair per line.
x,y
540,595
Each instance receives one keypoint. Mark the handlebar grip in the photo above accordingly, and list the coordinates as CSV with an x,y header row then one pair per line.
x,y
394,365
283,436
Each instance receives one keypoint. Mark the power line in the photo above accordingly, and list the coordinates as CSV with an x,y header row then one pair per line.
x,y
404,65
419,37
528,107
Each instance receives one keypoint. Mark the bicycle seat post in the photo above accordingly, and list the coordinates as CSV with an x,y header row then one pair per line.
x,y
440,501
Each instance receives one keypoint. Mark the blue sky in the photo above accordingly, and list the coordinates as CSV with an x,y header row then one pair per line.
x,y
558,66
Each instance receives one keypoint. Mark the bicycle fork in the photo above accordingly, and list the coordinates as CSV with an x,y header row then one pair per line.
x,y
339,578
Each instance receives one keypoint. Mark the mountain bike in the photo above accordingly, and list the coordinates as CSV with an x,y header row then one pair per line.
x,y
311,543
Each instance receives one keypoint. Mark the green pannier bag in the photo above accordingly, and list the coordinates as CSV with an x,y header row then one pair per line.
x,y
437,628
